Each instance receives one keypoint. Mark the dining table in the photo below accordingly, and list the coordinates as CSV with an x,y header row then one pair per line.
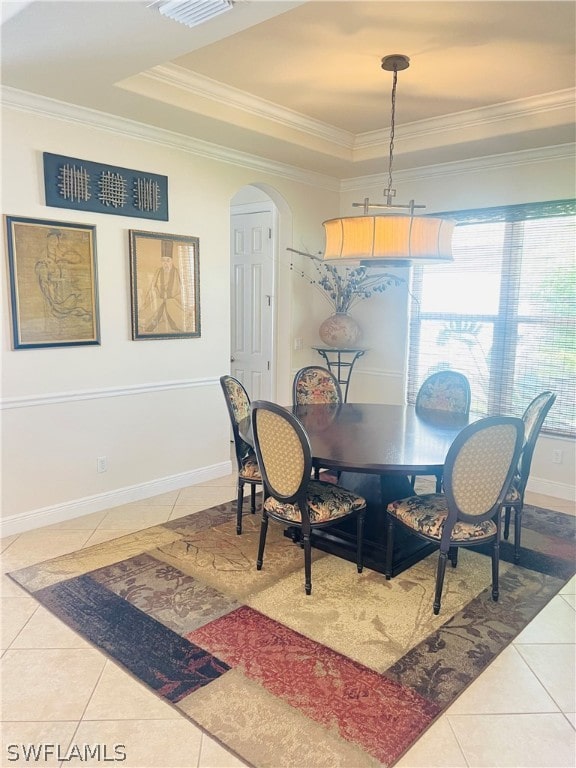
x,y
373,449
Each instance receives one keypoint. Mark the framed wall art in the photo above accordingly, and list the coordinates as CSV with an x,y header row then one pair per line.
x,y
53,283
165,286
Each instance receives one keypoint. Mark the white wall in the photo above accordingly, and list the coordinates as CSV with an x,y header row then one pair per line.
x,y
154,408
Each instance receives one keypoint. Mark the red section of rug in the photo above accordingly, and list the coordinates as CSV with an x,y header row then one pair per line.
x,y
364,707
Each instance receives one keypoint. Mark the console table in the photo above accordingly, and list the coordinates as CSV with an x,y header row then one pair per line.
x,y
341,362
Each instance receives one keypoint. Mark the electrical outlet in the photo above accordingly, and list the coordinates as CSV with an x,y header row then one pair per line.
x,y
298,343
101,464
557,456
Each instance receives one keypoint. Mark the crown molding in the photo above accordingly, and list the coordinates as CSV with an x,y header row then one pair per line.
x,y
519,109
41,105
511,112
205,87
459,167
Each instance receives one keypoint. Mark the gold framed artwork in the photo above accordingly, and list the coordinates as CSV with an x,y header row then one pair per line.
x,y
53,283
165,286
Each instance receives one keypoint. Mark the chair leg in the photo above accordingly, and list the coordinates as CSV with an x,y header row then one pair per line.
x,y
360,542
440,581
453,555
495,569
439,483
316,473
517,533
239,505
389,548
253,498
506,531
307,562
262,543
413,481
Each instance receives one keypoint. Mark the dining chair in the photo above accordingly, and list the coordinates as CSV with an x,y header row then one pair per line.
x,y
291,496
533,418
315,385
238,404
479,468
443,391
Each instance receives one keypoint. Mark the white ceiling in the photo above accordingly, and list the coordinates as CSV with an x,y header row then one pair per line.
x,y
301,82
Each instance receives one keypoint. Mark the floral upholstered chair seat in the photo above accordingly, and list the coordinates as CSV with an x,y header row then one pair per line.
x,y
250,469
325,502
427,514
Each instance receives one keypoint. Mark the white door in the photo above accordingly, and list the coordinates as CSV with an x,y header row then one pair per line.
x,y
252,310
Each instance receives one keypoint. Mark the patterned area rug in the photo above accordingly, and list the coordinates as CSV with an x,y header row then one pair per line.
x,y
349,676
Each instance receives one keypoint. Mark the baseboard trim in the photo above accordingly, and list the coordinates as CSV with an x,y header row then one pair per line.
x,y
548,488
59,513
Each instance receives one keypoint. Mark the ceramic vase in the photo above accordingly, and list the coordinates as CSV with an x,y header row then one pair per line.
x,y
340,331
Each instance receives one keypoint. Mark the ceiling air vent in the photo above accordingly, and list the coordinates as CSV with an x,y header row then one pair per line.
x,y
192,12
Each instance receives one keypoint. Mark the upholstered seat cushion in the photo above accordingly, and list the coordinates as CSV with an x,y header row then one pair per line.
x,y
427,514
513,495
250,469
325,502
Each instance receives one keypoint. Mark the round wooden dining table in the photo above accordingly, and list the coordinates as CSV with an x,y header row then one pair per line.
x,y
375,448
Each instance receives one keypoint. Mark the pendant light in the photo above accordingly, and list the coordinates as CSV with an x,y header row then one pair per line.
x,y
389,238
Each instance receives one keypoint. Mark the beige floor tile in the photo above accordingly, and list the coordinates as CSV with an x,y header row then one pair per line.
x,y
41,544
135,517
508,686
555,667
5,541
147,743
205,494
83,522
554,624
103,534
550,502
9,588
571,718
571,600
228,480
515,741
44,630
437,748
15,613
213,755
45,739
119,696
570,587
50,684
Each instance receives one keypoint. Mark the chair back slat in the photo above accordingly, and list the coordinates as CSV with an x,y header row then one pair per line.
x,y
445,391
283,450
316,385
480,466
238,404
533,418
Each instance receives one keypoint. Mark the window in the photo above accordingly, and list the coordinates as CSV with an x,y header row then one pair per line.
x,y
503,313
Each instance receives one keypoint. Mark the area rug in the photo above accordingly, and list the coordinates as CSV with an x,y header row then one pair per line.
x,y
349,676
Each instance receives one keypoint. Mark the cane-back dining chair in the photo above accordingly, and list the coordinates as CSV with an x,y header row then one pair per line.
x,y
533,418
314,385
443,391
479,468
238,404
291,496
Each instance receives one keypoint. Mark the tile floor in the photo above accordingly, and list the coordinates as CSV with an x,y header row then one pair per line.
x,y
58,690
